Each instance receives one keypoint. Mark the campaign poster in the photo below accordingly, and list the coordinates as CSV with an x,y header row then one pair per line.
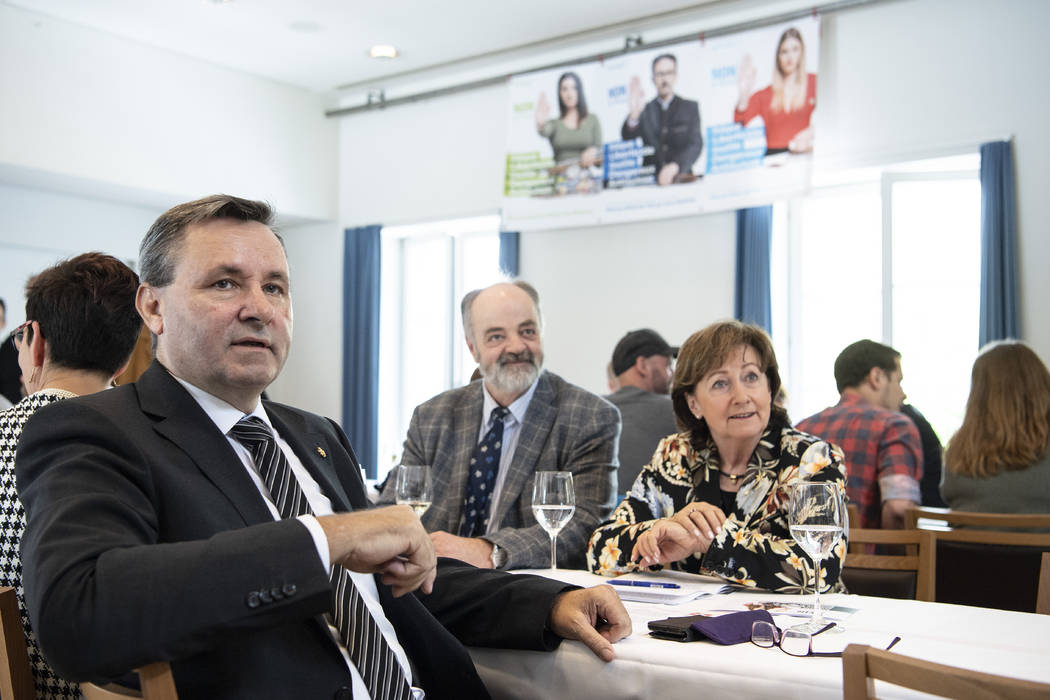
x,y
654,148
553,174
698,126
759,100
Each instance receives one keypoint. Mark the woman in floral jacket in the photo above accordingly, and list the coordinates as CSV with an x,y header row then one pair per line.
x,y
714,499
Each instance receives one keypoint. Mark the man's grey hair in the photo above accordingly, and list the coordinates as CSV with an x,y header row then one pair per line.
x,y
468,302
158,251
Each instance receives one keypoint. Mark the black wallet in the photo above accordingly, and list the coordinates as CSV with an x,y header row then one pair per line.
x,y
676,629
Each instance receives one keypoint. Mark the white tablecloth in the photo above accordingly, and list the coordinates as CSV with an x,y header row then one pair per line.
x,y
995,641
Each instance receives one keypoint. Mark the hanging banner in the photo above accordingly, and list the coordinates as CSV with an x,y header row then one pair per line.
x,y
690,128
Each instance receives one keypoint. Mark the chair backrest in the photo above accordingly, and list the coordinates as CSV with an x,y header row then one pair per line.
x,y
156,681
861,665
906,575
853,513
998,550
994,521
1042,600
16,677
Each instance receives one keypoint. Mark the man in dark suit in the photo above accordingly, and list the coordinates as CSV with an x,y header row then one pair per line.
x,y
156,531
669,124
547,424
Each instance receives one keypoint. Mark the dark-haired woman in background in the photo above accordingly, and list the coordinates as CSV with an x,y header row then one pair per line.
x,y
714,498
82,327
576,135
999,459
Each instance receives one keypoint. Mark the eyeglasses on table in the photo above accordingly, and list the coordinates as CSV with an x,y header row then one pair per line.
x,y
795,642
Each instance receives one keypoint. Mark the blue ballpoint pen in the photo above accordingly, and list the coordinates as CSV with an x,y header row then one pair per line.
x,y
644,584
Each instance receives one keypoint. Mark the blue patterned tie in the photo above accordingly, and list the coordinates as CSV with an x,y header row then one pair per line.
x,y
368,650
484,463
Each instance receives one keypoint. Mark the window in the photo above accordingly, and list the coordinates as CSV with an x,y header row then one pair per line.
x,y
892,255
426,270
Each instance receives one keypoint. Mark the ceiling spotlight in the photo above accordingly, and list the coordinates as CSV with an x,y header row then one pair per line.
x,y
382,51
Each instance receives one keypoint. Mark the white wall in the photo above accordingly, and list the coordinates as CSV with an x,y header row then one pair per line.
x,y
898,81
444,159
901,79
673,275
38,228
79,103
312,376
436,159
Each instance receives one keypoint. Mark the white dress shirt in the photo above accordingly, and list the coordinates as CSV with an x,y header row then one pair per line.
x,y
511,430
225,417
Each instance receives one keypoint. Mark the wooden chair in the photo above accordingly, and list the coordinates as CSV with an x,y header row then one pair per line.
x,y
1042,600
907,575
994,521
967,557
853,513
156,681
862,665
16,676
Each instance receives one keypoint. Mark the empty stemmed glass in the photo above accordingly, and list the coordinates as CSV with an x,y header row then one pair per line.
x,y
816,518
413,487
553,503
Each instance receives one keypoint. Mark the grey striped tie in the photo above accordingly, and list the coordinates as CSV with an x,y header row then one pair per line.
x,y
369,652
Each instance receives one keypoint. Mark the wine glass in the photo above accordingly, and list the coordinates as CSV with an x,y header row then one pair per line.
x,y
413,487
816,519
553,503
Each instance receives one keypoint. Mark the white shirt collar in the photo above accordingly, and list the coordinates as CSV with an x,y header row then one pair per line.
x,y
221,413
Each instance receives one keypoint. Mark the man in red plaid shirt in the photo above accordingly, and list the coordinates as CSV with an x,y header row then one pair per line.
x,y
882,446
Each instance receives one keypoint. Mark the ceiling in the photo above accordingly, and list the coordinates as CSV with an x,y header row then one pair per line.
x,y
322,45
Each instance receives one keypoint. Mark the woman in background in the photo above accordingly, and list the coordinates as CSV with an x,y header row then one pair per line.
x,y
576,135
999,459
82,328
787,104
714,498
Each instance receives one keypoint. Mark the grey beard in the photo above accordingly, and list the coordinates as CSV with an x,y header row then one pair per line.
x,y
513,380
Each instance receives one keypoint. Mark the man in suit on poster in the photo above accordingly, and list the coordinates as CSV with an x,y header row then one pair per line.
x,y
532,420
181,518
668,123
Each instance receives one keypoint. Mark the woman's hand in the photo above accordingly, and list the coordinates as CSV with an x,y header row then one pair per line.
x,y
745,81
690,530
701,519
589,156
664,542
802,141
543,111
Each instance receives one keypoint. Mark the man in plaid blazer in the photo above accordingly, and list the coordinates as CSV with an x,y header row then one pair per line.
x,y
552,425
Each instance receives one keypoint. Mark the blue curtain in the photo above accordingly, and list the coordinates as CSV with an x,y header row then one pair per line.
x,y
999,312
361,343
508,252
754,234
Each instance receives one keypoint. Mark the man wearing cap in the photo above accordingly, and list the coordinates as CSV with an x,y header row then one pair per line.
x,y
642,365
486,441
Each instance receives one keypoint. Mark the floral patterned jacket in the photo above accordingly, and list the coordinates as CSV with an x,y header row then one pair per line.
x,y
754,547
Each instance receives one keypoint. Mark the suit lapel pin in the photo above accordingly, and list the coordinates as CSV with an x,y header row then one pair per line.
x,y
320,451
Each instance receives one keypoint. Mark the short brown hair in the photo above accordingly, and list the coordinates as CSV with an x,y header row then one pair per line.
x,y
1007,421
86,310
157,256
856,361
705,351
